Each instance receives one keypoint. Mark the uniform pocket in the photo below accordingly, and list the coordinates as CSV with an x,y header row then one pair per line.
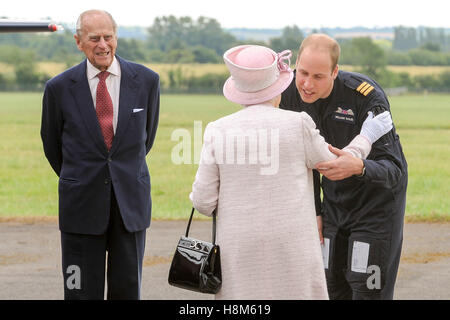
x,y
334,253
366,264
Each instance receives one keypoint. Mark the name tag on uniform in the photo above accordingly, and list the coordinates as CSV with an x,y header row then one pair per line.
x,y
344,115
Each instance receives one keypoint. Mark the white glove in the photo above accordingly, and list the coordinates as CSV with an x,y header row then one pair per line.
x,y
374,128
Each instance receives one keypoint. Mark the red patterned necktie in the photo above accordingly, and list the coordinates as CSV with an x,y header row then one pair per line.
x,y
104,109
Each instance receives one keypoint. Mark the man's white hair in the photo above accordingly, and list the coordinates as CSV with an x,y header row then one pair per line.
x,y
79,26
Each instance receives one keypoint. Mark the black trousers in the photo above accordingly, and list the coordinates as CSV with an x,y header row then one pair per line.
x,y
84,260
361,266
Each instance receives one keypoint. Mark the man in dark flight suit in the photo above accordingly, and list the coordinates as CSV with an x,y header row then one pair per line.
x,y
363,204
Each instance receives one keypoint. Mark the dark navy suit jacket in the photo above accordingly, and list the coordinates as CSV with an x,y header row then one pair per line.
x,y
74,146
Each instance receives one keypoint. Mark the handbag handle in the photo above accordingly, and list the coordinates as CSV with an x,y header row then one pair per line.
x,y
213,227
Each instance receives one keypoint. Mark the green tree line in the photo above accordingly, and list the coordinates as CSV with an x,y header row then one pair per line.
x,y
185,40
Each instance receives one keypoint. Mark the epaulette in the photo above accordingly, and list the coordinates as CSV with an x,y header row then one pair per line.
x,y
357,82
364,88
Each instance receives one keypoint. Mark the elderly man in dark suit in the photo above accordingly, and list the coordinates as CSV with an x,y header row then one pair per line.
x,y
99,122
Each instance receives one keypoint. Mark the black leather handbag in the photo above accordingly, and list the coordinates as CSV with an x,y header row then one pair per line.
x,y
196,263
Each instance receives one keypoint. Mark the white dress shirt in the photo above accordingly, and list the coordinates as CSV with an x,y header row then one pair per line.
x,y
112,83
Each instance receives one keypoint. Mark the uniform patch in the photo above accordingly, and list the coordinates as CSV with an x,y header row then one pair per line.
x,y
344,115
360,256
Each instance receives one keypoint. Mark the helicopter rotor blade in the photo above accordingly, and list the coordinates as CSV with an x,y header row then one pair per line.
x,y
15,26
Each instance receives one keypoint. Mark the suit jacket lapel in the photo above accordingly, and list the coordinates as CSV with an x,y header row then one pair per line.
x,y
127,100
82,94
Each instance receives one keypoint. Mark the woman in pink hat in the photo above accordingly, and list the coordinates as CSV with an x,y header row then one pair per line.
x,y
256,169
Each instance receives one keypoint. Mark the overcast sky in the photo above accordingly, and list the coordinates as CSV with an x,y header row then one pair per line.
x,y
246,13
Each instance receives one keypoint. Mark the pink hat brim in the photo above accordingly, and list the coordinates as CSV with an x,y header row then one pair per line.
x,y
249,98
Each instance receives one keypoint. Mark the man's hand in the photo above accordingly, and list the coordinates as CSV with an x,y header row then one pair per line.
x,y
320,228
343,167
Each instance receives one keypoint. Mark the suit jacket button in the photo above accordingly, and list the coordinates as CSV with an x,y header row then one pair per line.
x,y
106,181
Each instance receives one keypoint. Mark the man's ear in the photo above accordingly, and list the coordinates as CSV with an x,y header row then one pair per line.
x,y
296,61
78,41
335,72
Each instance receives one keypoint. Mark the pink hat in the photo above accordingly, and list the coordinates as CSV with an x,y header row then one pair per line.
x,y
258,74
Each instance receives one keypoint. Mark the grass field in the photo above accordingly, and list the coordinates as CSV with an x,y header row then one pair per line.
x,y
28,186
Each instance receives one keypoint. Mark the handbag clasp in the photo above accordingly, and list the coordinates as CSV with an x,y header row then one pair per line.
x,y
196,245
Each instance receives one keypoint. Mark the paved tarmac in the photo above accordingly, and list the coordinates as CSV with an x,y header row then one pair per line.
x,y
30,266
